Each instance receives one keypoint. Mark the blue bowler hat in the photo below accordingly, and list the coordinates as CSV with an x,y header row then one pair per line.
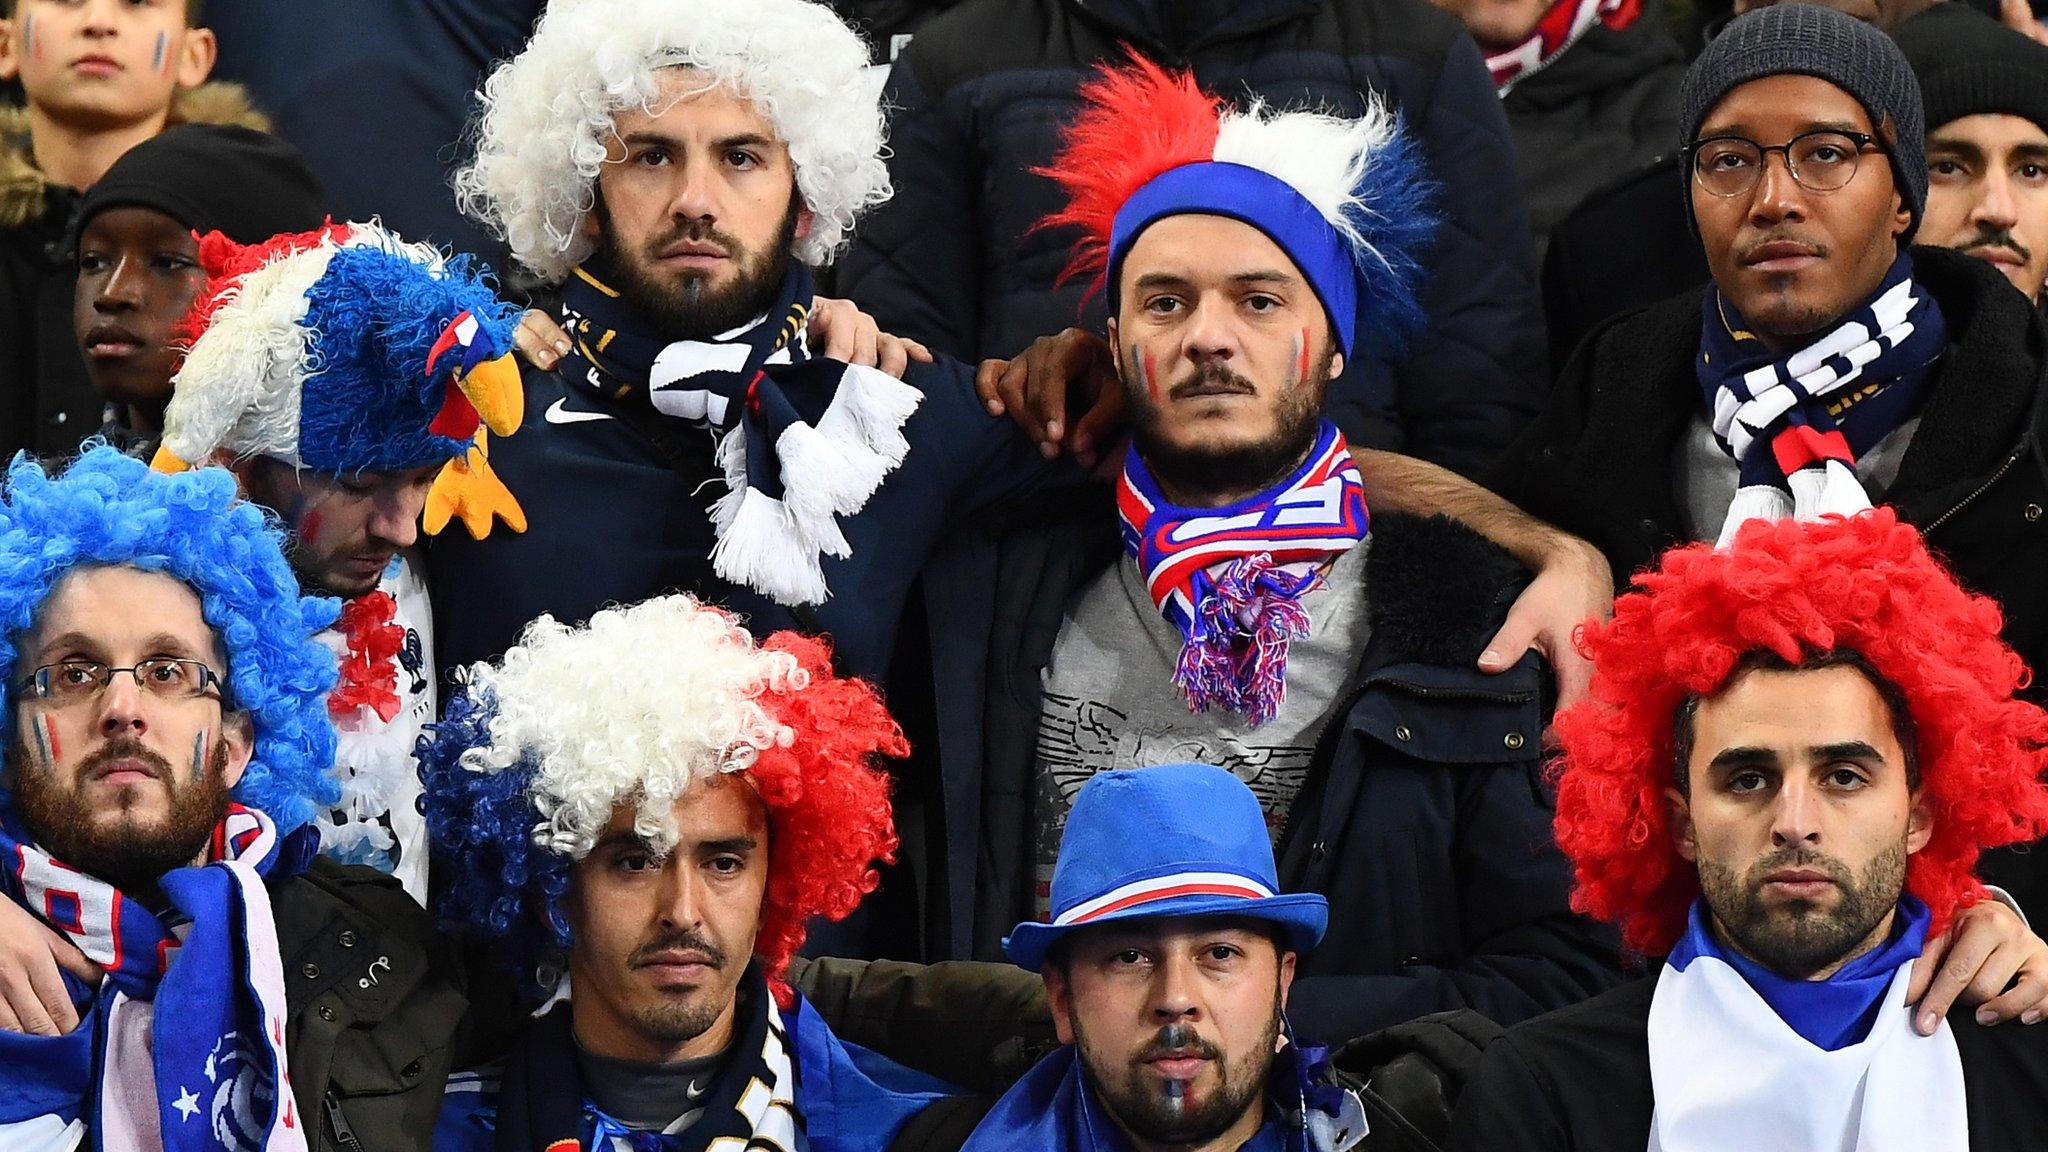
x,y
1176,840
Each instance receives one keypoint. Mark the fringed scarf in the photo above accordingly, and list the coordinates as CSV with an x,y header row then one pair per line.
x,y
183,1048
1232,578
1560,28
1796,424
1741,1058
803,439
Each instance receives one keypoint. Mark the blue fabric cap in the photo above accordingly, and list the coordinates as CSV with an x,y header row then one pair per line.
x,y
1175,840
1265,202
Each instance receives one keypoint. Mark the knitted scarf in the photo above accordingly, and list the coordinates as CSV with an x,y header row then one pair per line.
x,y
183,1048
1795,424
1560,28
802,439
1232,578
1743,1058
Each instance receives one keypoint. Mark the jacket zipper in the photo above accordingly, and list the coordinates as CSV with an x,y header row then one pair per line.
x,y
1429,693
1981,489
344,1135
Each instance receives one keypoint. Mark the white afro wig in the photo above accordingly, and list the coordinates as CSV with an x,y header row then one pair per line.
x,y
547,113
638,705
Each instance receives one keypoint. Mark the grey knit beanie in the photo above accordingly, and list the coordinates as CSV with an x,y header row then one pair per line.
x,y
1800,39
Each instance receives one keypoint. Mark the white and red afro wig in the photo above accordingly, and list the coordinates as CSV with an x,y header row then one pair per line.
x,y
532,757
1794,589
1350,201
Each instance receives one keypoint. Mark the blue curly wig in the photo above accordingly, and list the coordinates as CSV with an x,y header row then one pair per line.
x,y
375,316
109,509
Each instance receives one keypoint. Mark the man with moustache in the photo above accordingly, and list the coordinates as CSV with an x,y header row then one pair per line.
x,y
1829,365
1232,601
1985,88
1168,964
169,749
1793,752
642,814
677,170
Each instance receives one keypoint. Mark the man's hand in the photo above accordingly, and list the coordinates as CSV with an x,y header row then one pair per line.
x,y
2018,15
1981,953
839,330
1572,585
32,994
1073,369
539,340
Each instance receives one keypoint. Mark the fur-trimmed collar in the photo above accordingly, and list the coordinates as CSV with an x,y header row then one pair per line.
x,y
24,192
1436,591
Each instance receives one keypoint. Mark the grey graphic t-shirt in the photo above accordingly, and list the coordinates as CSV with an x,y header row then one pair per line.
x,y
1110,701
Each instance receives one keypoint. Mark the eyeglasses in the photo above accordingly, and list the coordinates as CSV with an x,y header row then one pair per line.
x,y
1820,161
77,681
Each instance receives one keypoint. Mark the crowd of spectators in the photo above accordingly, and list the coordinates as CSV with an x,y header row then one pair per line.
x,y
1126,484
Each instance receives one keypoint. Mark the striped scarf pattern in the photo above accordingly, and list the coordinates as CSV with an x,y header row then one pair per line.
x,y
1231,579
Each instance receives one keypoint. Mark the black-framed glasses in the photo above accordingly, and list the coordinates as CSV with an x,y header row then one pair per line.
x,y
1820,161
77,681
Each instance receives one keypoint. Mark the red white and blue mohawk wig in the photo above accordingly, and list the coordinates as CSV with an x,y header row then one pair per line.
x,y
349,349
1348,200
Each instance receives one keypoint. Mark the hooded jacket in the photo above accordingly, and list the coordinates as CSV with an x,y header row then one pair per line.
x,y
977,100
47,403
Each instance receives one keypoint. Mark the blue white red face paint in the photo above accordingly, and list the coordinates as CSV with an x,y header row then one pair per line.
x,y
1301,346
1175,1037
45,728
28,35
162,59
199,743
1141,363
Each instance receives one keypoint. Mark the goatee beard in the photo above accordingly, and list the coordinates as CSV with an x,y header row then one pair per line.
x,y
688,308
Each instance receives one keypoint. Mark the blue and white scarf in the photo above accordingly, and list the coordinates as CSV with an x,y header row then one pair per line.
x,y
802,439
183,1044
1232,578
1795,424
1052,1109
1742,1058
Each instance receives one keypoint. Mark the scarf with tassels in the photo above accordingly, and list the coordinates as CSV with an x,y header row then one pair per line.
x,y
802,440
1796,424
1232,578
183,1045
1559,29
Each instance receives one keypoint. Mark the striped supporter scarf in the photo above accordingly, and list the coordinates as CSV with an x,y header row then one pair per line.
x,y
1560,27
182,1048
1796,424
1232,578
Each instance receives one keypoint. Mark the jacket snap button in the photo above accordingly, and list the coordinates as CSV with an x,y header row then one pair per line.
x,y
1513,740
327,1013
1411,961
410,1070
2033,513
348,939
1402,733
1318,850
310,971
1649,527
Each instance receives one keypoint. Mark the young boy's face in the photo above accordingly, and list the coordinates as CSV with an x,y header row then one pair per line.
x,y
138,273
102,64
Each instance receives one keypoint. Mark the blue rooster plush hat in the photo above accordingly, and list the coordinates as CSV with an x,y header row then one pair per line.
x,y
346,350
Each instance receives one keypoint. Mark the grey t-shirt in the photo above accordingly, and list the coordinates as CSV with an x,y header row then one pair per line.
x,y
1706,477
1110,701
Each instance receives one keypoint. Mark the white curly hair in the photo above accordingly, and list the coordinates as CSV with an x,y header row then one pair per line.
x,y
547,113
635,707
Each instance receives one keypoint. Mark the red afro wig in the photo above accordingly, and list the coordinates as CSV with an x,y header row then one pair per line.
x,y
829,821
1795,589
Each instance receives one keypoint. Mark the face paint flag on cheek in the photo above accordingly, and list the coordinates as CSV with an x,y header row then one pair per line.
x,y
162,59
28,33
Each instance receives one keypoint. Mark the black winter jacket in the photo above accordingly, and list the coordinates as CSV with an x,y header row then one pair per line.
x,y
375,1006
1605,107
1424,818
978,99
1600,461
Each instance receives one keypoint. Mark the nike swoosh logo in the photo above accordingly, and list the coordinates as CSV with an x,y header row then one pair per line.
x,y
560,413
